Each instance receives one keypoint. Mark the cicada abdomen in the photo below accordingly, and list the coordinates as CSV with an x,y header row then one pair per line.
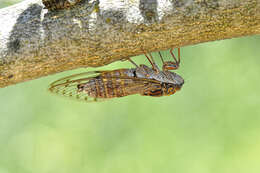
x,y
111,84
59,4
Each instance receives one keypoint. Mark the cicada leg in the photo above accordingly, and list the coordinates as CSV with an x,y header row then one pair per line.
x,y
152,62
171,65
150,59
143,69
133,63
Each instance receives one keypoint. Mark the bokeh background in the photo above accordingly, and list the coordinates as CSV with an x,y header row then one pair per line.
x,y
211,125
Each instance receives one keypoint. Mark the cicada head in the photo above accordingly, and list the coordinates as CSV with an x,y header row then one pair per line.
x,y
170,89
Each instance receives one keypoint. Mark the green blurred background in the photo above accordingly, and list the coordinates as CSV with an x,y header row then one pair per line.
x,y
211,125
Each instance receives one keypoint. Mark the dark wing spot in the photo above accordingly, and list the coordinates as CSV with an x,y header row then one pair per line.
x,y
134,73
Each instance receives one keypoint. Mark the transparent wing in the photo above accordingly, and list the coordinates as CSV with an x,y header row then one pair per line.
x,y
118,85
68,86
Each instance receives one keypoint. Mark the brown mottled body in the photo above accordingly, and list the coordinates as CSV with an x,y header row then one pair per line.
x,y
118,83
59,4
109,85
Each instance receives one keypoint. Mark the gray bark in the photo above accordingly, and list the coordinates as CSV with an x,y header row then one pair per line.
x,y
35,42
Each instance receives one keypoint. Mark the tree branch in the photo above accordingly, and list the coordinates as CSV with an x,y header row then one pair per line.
x,y
35,42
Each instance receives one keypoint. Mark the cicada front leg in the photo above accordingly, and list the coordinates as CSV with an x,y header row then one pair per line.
x,y
150,59
171,65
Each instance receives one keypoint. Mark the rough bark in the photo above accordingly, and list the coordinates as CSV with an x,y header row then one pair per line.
x,y
35,42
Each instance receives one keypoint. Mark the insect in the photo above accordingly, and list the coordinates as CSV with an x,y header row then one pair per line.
x,y
143,80
59,4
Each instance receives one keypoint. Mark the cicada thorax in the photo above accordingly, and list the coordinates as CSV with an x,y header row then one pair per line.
x,y
59,4
111,84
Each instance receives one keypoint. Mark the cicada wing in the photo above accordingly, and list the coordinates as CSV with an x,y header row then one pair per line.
x,y
104,86
80,77
68,86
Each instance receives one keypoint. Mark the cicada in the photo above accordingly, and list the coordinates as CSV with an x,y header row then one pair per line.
x,y
143,80
59,4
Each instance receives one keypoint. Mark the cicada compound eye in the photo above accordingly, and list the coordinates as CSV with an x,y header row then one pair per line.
x,y
171,91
